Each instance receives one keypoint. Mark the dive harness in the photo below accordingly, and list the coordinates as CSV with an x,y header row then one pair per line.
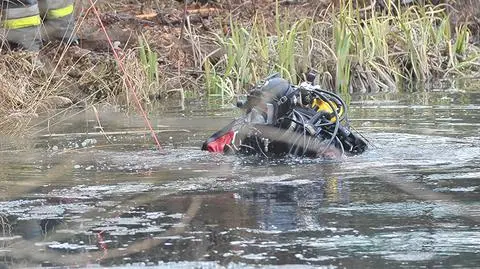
x,y
282,119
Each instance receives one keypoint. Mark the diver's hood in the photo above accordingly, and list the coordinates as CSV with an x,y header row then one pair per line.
x,y
271,101
276,87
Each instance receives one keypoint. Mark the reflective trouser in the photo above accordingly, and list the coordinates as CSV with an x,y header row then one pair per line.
x,y
21,21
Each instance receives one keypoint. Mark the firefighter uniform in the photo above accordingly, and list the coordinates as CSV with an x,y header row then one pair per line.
x,y
28,22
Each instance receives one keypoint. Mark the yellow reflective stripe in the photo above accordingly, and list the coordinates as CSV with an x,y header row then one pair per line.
x,y
22,22
60,12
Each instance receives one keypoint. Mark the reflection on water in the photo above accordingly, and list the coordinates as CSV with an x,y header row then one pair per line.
x,y
411,201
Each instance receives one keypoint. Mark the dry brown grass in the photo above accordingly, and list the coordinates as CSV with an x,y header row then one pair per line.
x,y
19,98
32,84
59,77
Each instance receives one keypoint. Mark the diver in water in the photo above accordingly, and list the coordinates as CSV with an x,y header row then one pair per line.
x,y
283,119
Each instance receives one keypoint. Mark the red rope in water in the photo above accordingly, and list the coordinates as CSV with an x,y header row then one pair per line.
x,y
127,78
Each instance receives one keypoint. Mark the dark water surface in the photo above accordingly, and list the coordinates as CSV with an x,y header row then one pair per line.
x,y
78,199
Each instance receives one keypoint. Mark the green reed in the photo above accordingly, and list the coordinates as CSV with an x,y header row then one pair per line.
x,y
361,49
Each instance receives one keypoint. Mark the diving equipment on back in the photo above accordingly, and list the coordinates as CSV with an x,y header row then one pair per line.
x,y
283,119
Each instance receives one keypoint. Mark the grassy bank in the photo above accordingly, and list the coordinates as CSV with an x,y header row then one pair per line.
x,y
353,48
